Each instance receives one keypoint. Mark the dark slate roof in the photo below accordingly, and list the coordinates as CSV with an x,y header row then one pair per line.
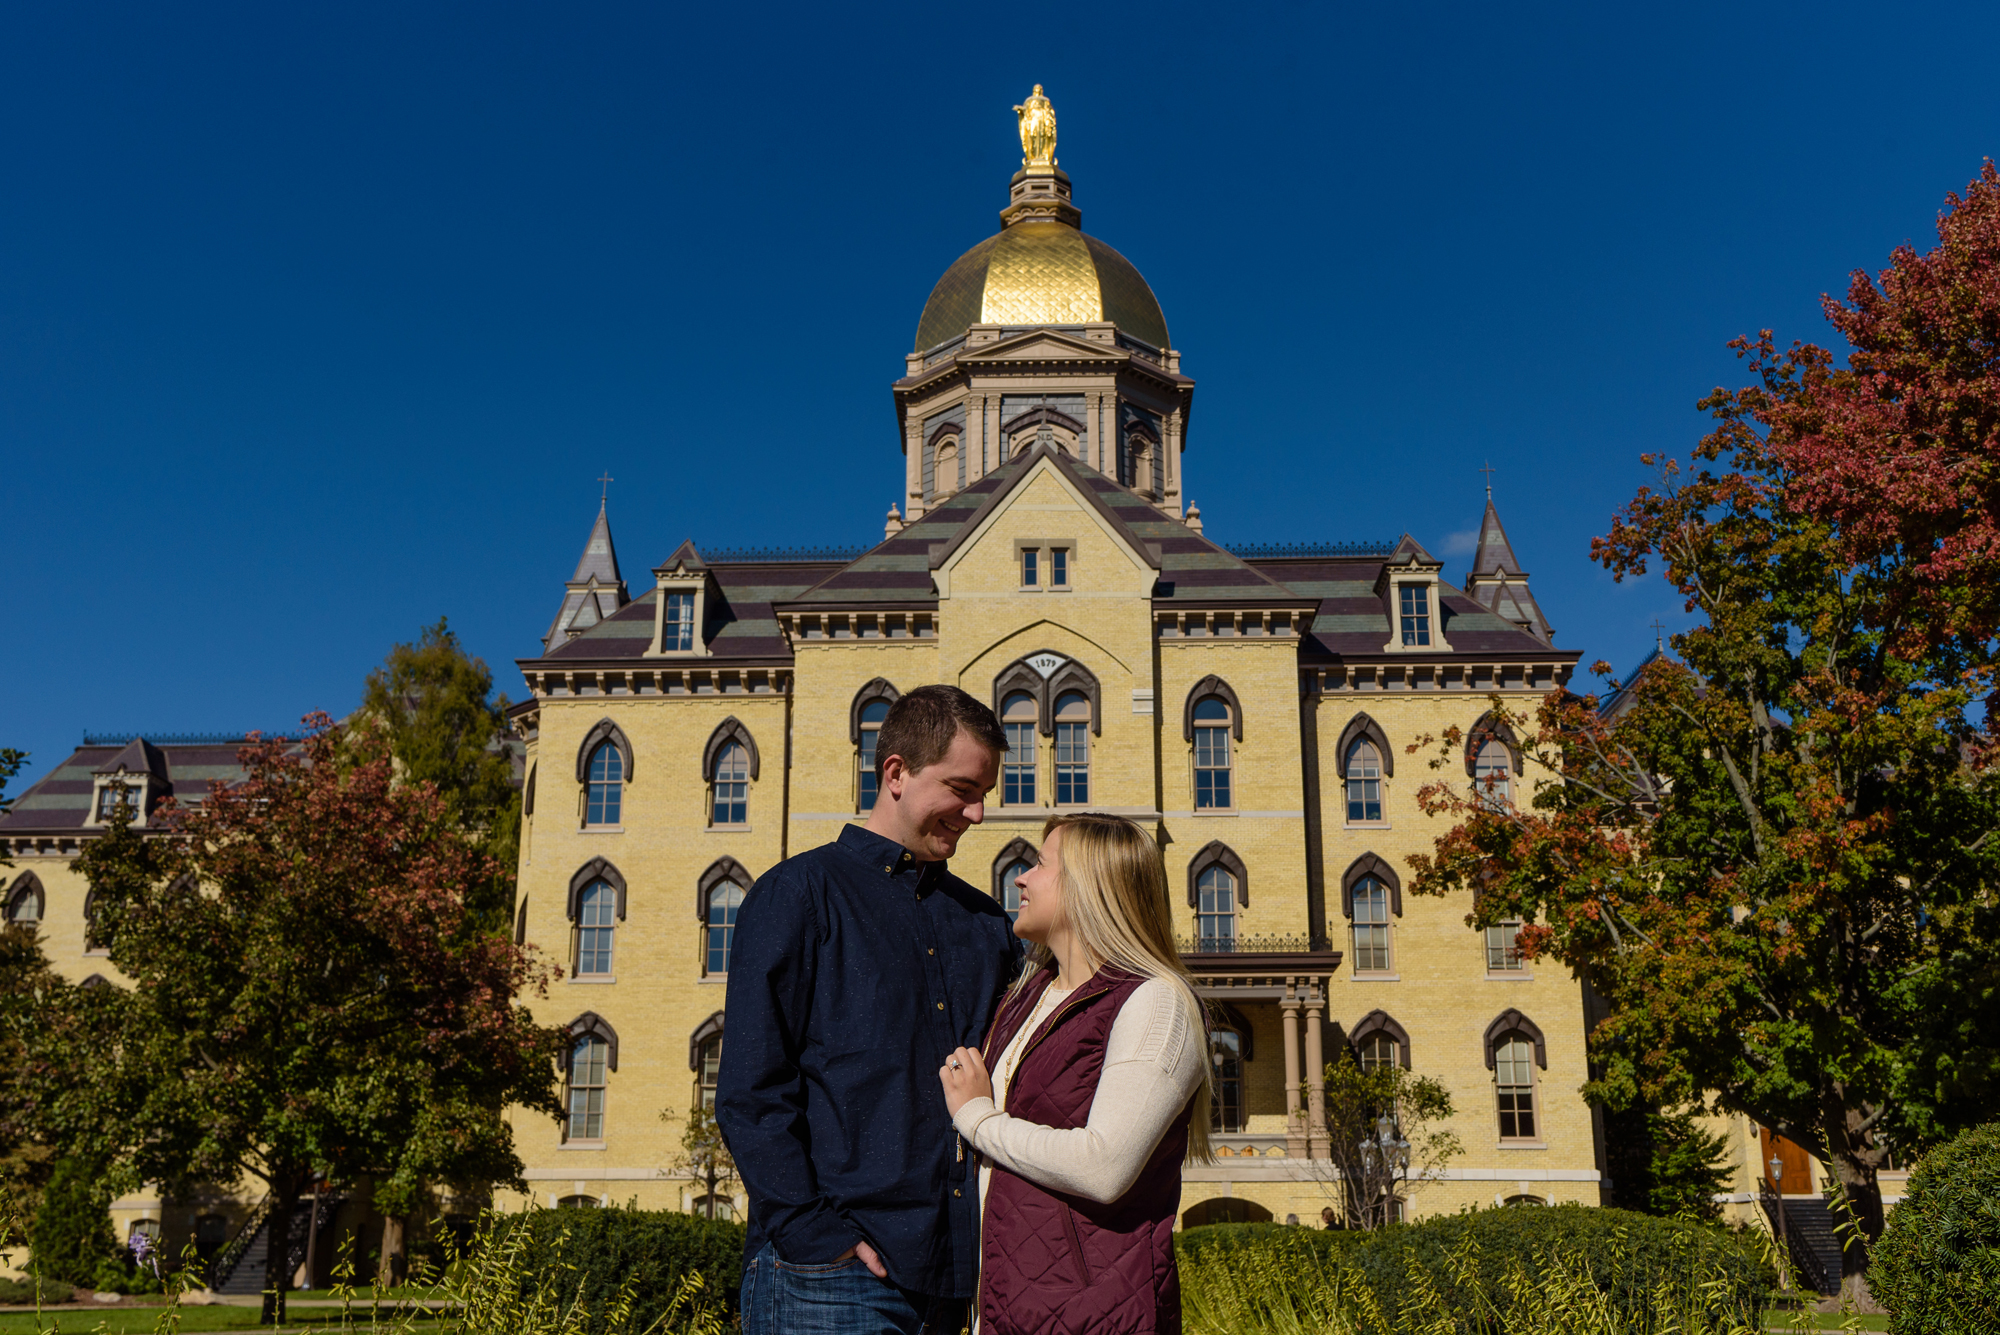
x,y
740,621
898,571
1352,620
60,801
1493,553
600,557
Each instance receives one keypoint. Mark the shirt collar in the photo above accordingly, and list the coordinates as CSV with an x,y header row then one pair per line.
x,y
889,857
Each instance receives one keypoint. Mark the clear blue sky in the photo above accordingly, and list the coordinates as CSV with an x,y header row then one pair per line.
x,y
317,322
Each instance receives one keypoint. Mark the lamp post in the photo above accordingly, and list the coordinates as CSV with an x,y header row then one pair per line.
x,y
1777,1167
1385,1158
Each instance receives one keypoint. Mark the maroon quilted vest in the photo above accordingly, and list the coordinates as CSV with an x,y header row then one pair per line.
x,y
1055,1264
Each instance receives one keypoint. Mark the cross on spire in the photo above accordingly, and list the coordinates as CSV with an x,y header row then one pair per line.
x,y
1659,638
604,495
1489,470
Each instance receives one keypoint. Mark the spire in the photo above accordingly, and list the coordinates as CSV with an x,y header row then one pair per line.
x,y
1497,582
596,590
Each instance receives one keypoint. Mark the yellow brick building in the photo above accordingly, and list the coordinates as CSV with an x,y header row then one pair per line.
x,y
1253,707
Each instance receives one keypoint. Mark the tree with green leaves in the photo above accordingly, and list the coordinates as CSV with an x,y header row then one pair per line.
x,y
1665,1163
434,707
312,989
1777,857
1368,1108
704,1155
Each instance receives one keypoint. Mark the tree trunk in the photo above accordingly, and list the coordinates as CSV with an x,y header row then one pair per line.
x,y
277,1248
1859,1222
392,1267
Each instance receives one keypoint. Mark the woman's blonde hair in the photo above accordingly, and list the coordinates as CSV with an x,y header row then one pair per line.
x,y
1114,898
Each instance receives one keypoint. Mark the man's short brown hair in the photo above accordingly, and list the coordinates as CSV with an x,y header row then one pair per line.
x,y
921,725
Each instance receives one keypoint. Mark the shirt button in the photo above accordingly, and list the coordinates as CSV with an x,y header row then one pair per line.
x,y
956,1192
931,951
940,1005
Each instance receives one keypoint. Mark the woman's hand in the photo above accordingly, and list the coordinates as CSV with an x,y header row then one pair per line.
x,y
964,1078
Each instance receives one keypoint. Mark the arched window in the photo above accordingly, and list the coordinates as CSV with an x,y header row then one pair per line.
x,y
596,920
717,1206
1377,1049
1010,886
723,901
1225,1051
1017,771
1211,753
1492,773
605,790
1364,783
589,1057
24,901
710,1072
1371,926
1503,947
870,726
1215,910
945,476
578,1203
730,803
1514,1080
1072,749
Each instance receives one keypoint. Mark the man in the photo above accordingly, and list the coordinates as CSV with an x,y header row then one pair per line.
x,y
856,970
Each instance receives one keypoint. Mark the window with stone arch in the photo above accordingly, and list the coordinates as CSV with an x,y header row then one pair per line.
x,y
1019,716
945,470
709,1076
1215,910
1364,783
584,1086
1010,886
1493,773
1213,772
867,781
1371,926
596,921
24,901
1378,1049
730,787
1515,1050
724,900
1072,749
1514,1082
605,789
1225,1054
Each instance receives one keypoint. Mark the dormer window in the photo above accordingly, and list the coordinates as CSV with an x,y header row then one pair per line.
x,y
677,623
1415,614
116,790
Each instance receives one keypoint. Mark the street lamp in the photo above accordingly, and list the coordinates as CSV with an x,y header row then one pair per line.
x,y
1777,1167
1385,1157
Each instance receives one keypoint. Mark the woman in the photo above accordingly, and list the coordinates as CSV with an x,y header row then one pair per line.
x,y
1100,1050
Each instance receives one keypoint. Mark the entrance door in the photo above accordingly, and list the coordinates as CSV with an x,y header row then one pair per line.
x,y
1797,1180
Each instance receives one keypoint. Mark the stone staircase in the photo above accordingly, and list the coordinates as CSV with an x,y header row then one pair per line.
x,y
239,1268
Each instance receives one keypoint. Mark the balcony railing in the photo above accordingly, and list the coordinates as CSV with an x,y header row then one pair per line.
x,y
1298,944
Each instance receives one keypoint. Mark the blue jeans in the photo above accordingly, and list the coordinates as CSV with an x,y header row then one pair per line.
x,y
838,1299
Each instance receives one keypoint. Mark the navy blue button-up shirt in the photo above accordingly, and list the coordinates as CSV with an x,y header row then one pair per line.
x,y
854,972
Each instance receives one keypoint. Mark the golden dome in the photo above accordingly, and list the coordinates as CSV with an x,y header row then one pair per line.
x,y
1039,272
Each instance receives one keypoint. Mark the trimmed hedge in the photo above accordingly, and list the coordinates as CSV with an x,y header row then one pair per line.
x,y
1937,1268
652,1249
1627,1253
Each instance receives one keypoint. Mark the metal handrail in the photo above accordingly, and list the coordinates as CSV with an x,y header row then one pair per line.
x,y
1806,1264
1269,944
225,1261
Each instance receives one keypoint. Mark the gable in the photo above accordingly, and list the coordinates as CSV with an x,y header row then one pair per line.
x,y
1044,506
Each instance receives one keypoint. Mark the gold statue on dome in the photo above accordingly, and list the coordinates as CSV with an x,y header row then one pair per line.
x,y
1038,130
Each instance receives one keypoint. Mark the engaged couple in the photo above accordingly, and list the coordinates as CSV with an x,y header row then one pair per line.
x,y
946,1120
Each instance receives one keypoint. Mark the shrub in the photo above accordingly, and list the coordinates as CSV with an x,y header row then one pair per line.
x,y
71,1230
1632,1269
652,1251
26,1292
1937,1267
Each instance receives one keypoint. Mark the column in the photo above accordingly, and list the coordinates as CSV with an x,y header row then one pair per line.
x,y
913,467
975,438
1295,1139
1315,1067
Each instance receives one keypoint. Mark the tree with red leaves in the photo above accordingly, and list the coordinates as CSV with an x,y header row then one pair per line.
x,y
1777,858
1898,452
311,992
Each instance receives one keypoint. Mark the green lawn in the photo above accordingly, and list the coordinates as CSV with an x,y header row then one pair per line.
x,y
141,1320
